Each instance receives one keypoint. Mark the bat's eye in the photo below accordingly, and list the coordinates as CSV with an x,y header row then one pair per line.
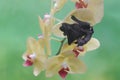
x,y
62,28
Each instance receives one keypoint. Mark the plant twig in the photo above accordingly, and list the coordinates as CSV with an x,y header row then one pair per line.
x,y
62,42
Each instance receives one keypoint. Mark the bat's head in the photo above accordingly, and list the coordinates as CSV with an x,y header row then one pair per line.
x,y
65,28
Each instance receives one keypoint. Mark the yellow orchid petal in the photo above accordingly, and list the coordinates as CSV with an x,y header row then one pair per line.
x,y
92,44
75,0
48,45
38,67
67,54
34,47
42,25
31,42
53,65
48,25
97,7
59,5
24,56
82,14
40,51
75,65
56,30
67,47
47,35
36,71
52,20
41,41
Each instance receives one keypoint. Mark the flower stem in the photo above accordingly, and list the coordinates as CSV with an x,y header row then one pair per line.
x,y
62,42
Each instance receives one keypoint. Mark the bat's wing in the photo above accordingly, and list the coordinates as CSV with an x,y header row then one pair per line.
x,y
72,35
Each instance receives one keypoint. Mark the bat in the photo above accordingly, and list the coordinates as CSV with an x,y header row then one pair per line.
x,y
79,33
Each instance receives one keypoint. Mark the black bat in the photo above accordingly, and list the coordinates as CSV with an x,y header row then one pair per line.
x,y
79,31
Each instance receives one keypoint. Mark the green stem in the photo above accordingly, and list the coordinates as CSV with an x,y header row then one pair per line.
x,y
62,42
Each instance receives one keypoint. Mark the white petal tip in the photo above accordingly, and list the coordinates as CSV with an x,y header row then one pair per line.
x,y
36,73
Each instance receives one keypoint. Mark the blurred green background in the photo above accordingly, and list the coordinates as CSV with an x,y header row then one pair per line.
x,y
19,20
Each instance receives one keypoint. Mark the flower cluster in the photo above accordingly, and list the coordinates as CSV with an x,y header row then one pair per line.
x,y
79,38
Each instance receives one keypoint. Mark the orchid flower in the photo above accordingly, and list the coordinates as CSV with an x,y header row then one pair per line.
x,y
34,55
90,46
63,64
95,6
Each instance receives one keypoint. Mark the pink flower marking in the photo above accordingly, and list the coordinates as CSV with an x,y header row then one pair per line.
x,y
81,4
77,51
63,72
28,62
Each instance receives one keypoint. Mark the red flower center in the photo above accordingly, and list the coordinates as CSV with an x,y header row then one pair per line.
x,y
63,72
77,51
81,4
28,62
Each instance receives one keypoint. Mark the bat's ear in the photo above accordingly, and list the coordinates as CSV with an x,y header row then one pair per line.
x,y
73,17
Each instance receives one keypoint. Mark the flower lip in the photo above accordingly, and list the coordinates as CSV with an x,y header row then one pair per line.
x,y
76,53
63,72
81,4
78,50
27,63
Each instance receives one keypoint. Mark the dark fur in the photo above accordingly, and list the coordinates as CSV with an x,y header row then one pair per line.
x,y
80,31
